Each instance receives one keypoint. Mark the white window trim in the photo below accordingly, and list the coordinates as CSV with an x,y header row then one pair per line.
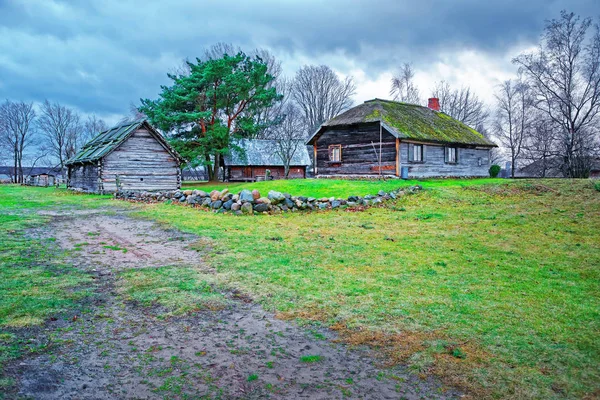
x,y
452,151
417,153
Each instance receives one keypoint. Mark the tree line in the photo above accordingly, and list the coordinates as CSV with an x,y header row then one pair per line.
x,y
547,114
227,95
52,132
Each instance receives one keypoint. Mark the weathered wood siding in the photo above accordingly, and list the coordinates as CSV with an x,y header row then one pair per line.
x,y
84,177
359,157
141,163
241,173
434,165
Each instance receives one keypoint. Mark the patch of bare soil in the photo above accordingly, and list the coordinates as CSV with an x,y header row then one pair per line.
x,y
121,350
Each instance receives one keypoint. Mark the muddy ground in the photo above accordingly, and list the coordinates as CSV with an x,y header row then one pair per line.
x,y
122,350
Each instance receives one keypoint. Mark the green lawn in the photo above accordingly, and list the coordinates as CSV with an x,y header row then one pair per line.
x,y
492,285
332,187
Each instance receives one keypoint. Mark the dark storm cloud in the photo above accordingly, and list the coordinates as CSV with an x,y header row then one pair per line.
x,y
100,56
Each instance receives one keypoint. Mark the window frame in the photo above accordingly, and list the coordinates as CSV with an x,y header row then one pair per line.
x,y
421,157
332,149
451,150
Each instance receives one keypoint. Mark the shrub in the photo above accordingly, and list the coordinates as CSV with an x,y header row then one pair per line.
x,y
597,185
494,170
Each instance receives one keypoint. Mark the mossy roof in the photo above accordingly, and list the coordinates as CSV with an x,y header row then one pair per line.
x,y
409,121
105,142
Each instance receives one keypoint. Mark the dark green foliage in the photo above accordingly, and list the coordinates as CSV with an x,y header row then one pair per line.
x,y
494,171
211,104
597,186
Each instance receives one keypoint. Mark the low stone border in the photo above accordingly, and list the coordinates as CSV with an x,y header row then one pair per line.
x,y
251,202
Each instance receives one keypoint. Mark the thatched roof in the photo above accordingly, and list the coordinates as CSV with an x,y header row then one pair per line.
x,y
408,121
264,152
105,142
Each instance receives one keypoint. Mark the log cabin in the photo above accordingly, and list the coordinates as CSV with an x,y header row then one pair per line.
x,y
250,159
132,156
43,178
389,138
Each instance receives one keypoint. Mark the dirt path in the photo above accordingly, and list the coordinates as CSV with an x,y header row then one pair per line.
x,y
123,350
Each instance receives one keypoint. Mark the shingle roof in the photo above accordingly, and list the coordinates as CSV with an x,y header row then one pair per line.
x,y
408,121
107,141
264,152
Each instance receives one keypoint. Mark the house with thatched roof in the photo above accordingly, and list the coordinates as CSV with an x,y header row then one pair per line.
x,y
132,156
382,137
255,159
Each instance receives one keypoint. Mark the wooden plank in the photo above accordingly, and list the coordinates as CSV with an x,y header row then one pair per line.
x,y
397,157
315,157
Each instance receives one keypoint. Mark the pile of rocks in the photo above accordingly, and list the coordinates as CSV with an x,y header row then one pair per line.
x,y
251,202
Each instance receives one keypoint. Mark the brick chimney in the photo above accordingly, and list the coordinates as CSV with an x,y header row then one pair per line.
x,y
434,103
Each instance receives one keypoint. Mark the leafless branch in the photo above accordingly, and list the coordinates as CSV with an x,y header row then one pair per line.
x,y
321,94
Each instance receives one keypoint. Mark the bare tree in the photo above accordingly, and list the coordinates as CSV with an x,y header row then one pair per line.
x,y
403,86
91,127
134,115
539,146
321,94
17,132
289,135
461,104
62,130
512,123
564,74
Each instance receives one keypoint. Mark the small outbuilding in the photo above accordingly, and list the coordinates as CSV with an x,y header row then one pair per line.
x,y
382,137
255,159
46,178
132,156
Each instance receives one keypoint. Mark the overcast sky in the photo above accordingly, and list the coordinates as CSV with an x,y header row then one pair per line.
x,y
100,56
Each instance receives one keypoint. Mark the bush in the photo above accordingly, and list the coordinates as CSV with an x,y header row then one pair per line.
x,y
494,170
597,185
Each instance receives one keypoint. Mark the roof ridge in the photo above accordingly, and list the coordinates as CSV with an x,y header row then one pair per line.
x,y
377,99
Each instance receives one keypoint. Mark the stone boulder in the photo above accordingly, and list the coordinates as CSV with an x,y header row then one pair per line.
x,y
215,195
261,207
246,196
289,203
246,208
276,197
263,200
256,194
227,205
192,199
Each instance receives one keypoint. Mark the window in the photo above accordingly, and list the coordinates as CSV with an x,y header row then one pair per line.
x,y
335,153
451,155
417,153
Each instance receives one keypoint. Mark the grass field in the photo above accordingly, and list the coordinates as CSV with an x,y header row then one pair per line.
x,y
492,285
332,187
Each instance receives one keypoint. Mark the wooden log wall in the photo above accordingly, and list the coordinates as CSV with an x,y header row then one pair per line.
x,y
434,164
360,151
141,163
84,176
277,172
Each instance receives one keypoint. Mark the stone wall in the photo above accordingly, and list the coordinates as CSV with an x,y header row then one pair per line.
x,y
251,202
